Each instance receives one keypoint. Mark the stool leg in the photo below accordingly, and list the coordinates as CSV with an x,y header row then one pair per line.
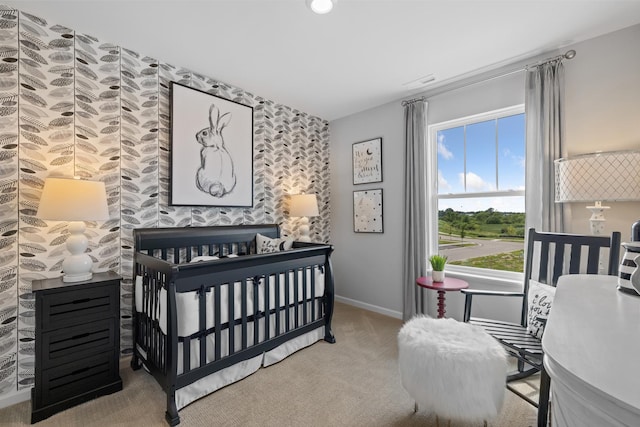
x,y
485,423
437,421
415,407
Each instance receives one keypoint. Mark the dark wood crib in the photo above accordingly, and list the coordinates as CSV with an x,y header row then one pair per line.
x,y
244,306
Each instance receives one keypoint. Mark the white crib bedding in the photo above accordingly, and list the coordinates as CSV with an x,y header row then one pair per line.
x,y
188,305
226,376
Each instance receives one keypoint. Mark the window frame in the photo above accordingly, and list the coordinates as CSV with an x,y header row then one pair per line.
x,y
433,196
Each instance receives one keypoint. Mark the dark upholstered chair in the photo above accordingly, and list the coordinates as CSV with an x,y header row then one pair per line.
x,y
548,256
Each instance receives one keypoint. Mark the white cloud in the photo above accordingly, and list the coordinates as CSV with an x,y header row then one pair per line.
x,y
442,182
442,149
517,160
475,182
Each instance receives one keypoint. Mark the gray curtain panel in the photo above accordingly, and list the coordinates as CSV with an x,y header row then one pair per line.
x,y
544,112
414,254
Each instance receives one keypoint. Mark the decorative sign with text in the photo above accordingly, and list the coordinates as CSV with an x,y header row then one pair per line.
x,y
367,161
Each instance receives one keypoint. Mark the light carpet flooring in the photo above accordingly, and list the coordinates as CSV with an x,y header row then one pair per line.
x,y
354,382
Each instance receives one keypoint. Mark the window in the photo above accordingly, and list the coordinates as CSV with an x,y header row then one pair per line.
x,y
479,189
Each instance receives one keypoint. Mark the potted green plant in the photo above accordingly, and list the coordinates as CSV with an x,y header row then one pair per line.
x,y
437,264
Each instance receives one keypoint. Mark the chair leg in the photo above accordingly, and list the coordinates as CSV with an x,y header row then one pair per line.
x,y
543,401
415,407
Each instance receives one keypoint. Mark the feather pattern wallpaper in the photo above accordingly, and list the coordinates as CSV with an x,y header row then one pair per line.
x,y
74,105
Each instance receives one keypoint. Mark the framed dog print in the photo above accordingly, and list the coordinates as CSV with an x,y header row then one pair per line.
x,y
367,211
211,150
367,161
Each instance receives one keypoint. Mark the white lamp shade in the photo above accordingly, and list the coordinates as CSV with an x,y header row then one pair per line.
x,y
65,199
321,6
613,176
303,205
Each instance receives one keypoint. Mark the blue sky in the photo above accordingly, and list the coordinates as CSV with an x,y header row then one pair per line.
x,y
482,156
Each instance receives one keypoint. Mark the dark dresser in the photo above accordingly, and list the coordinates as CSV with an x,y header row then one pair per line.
x,y
77,342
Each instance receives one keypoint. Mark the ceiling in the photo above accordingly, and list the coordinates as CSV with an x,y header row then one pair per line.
x,y
359,56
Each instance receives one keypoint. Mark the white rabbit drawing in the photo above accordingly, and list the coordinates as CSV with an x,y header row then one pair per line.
x,y
216,174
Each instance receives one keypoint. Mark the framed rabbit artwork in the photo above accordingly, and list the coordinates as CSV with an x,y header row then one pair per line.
x,y
211,150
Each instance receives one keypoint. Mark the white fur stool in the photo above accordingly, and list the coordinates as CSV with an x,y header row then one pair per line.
x,y
452,368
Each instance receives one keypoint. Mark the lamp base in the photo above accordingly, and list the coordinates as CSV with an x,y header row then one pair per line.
x,y
77,277
303,230
597,218
77,266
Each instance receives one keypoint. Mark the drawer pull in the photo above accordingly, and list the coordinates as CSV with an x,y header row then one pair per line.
x,y
79,371
76,337
81,301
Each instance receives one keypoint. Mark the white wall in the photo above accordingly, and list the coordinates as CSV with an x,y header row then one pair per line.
x,y
368,265
602,113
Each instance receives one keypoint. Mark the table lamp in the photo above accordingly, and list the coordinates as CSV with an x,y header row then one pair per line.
x,y
304,206
596,177
74,200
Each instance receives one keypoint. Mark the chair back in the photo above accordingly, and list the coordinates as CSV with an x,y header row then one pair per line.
x,y
551,255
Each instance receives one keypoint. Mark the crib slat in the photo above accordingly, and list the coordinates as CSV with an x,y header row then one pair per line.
x,y
287,299
267,309
202,323
296,303
232,316
276,298
313,293
186,354
256,311
243,299
216,303
304,296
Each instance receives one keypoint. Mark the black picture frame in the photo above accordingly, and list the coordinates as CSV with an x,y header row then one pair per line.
x,y
368,215
366,159
211,149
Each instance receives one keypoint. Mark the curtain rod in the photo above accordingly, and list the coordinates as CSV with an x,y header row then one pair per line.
x,y
411,101
570,54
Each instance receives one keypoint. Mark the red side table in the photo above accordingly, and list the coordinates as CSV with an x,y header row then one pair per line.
x,y
449,284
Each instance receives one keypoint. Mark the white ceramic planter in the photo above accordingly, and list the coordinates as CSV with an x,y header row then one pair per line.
x,y
437,276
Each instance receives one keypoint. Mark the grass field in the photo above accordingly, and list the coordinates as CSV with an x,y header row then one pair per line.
x,y
509,261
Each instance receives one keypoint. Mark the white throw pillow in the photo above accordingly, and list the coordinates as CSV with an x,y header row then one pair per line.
x,y
540,299
266,245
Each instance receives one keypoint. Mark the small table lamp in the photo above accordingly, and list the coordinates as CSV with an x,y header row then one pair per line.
x,y
613,176
303,205
74,200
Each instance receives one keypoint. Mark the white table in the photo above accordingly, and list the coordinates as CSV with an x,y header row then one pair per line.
x,y
592,353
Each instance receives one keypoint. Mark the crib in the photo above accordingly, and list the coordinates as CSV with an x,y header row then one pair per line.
x,y
210,311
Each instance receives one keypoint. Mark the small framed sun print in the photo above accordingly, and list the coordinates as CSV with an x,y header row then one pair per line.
x,y
367,211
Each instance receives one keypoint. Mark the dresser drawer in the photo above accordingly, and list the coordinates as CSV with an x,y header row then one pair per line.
x,y
76,342
61,309
79,377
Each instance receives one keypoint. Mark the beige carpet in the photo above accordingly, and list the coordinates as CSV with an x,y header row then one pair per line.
x,y
354,382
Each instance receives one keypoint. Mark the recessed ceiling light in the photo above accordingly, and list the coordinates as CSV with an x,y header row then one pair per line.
x,y
321,6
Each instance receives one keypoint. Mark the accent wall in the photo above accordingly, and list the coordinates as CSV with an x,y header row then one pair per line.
x,y
74,105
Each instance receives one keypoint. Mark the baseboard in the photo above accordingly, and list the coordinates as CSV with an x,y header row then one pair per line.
x,y
370,307
15,397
